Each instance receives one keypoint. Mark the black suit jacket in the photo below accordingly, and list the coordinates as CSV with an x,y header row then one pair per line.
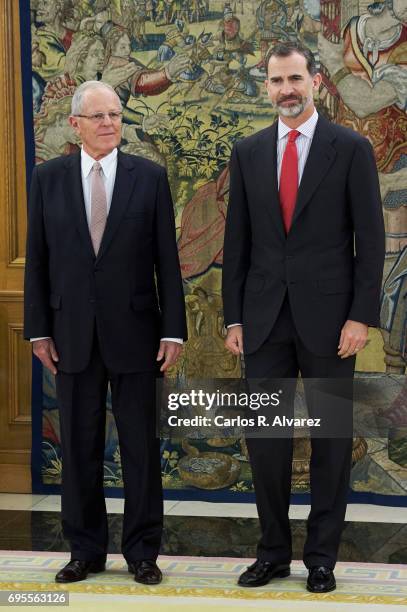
x,y
131,292
327,279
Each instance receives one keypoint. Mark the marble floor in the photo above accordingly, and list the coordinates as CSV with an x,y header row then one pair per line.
x,y
374,534
355,512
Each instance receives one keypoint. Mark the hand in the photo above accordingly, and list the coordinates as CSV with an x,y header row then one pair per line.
x,y
73,54
156,121
116,76
390,179
46,353
170,351
37,56
176,65
87,24
331,54
46,151
353,338
234,339
129,132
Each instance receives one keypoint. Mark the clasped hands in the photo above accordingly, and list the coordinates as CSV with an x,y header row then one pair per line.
x,y
46,352
352,340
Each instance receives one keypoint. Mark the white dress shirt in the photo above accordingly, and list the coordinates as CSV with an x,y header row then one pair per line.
x,y
303,142
109,167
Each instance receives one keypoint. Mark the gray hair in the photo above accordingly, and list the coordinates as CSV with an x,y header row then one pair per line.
x,y
80,92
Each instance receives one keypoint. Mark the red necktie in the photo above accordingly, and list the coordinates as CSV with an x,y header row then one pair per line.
x,y
289,179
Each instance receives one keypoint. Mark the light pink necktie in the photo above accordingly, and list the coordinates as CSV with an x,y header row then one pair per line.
x,y
98,214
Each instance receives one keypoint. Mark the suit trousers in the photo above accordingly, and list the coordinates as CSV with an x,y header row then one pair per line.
x,y
82,407
284,355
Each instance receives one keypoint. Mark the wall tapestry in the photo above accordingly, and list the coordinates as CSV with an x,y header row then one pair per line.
x,y
190,75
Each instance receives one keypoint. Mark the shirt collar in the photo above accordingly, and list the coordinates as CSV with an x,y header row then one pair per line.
x,y
307,128
108,162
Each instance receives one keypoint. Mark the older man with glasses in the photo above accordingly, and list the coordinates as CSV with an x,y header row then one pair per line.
x,y
104,305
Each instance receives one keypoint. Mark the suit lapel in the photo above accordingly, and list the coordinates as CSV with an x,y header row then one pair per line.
x,y
74,192
320,158
265,163
123,187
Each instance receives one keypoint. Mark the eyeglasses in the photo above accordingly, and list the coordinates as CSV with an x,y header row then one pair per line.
x,y
99,117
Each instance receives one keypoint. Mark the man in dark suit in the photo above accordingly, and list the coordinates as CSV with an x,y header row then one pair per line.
x,y
297,298
104,304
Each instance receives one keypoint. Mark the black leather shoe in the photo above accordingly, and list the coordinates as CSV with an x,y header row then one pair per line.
x,y
261,572
77,570
145,571
321,580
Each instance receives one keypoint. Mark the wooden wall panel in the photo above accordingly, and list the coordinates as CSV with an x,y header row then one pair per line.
x,y
19,400
15,353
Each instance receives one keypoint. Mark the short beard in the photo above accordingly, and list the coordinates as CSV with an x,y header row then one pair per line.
x,y
295,110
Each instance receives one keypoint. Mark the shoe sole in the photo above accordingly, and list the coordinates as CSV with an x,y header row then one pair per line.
x,y
147,583
311,590
280,574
